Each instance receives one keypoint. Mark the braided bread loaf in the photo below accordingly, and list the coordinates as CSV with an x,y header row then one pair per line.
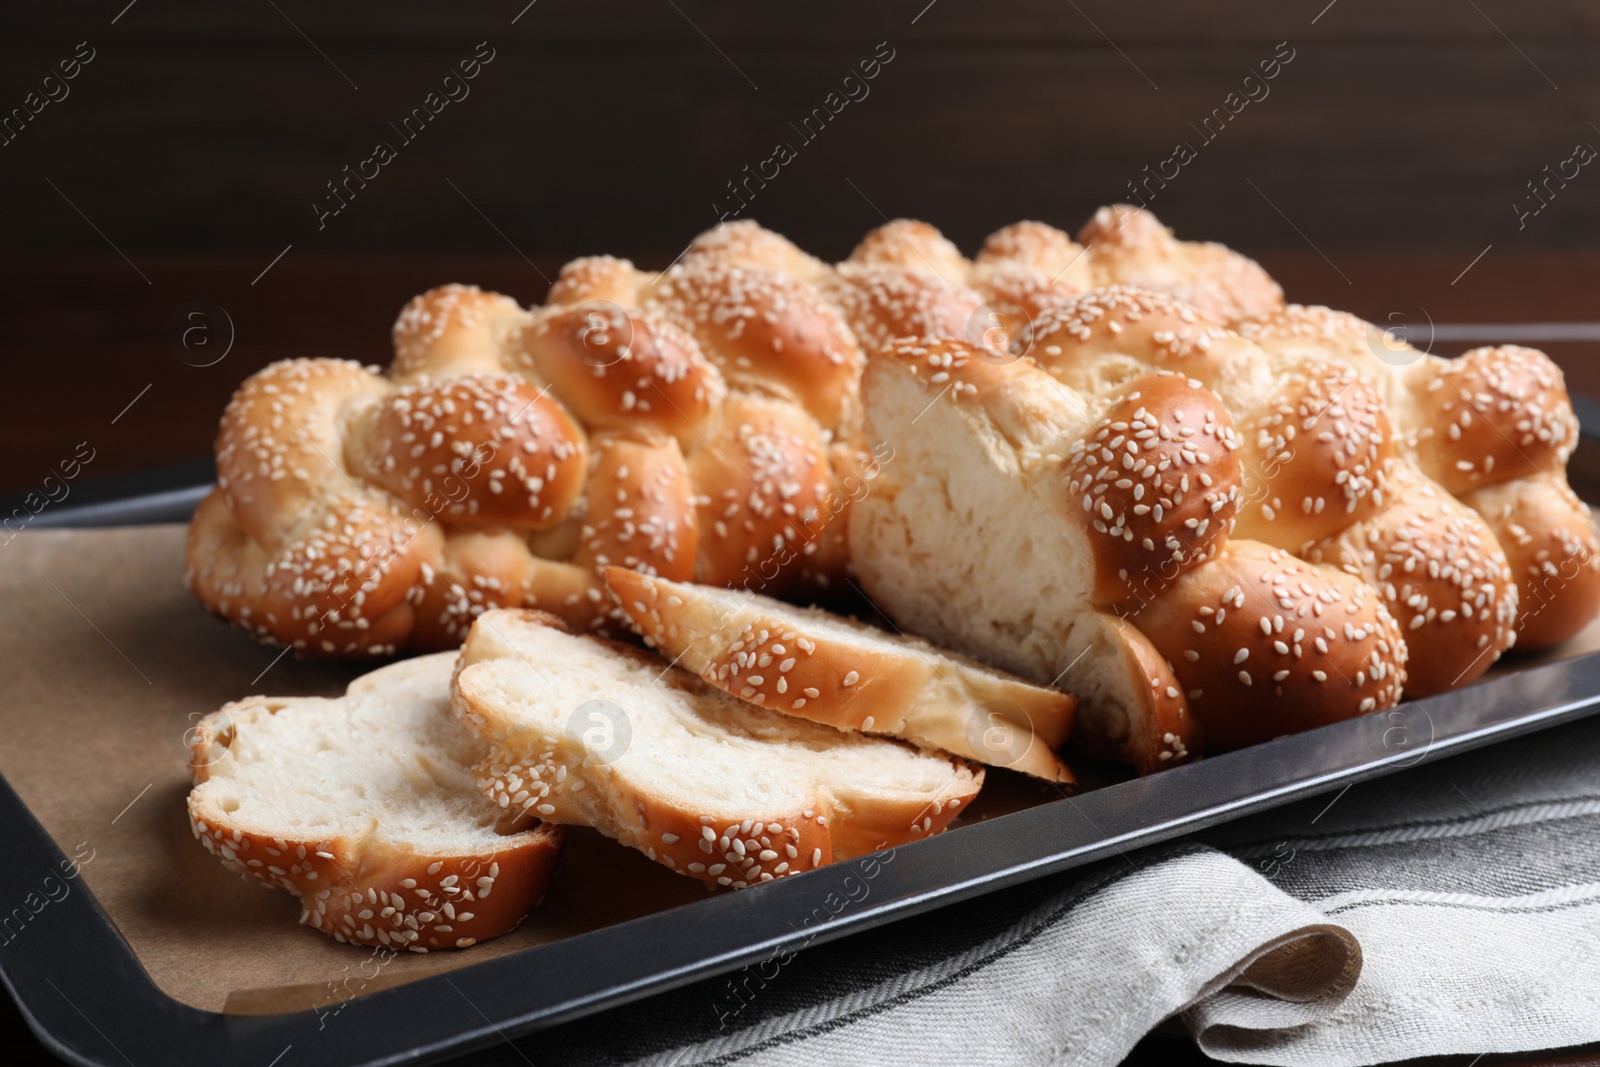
x,y
706,424
1137,601
698,425
1129,246
1495,427
1377,500
906,279
1081,536
1323,476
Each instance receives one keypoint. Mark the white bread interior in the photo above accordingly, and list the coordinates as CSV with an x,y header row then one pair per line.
x,y
365,806
591,732
1010,579
1079,536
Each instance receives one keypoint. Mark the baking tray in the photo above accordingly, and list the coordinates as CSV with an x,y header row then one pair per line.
x,y
83,991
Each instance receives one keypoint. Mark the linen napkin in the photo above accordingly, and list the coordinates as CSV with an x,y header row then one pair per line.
x,y
1451,908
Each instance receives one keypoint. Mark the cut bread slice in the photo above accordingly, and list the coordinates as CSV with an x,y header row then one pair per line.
x,y
364,807
588,731
834,670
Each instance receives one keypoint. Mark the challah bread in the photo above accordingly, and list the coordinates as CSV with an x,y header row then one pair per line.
x,y
1494,427
908,244
1129,246
1320,473
773,458
587,731
1023,269
698,424
920,285
1256,621
883,302
746,243
1548,534
364,807
1040,248
1038,525
834,670
705,425
903,280
906,279
767,332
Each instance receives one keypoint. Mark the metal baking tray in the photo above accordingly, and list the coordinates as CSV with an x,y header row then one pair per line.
x,y
86,996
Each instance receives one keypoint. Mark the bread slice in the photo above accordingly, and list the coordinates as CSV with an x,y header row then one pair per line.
x,y
834,670
588,731
364,807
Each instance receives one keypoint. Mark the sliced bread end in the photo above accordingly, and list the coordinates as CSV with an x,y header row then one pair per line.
x,y
363,806
591,732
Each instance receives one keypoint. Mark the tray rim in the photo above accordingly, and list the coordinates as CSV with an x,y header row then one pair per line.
x,y
85,973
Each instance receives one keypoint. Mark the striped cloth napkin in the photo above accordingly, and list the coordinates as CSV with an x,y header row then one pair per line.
x,y
1452,908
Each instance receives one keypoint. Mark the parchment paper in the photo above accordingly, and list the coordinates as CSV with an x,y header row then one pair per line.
x,y
106,662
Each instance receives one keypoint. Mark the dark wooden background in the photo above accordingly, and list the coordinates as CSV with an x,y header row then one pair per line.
x,y
189,152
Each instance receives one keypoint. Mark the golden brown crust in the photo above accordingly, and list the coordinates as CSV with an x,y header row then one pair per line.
x,y
1442,576
766,493
279,447
479,450
1266,645
1324,476
748,244
786,660
1159,731
1505,412
1317,453
914,246
1156,484
765,331
1156,330
1014,296
647,522
892,825
454,329
356,894
884,304
1129,246
620,370
606,279
1042,249
1154,644
340,586
973,374
477,570
361,513
1494,427
1549,537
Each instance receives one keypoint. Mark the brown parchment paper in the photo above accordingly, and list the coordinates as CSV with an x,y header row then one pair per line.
x,y
106,662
